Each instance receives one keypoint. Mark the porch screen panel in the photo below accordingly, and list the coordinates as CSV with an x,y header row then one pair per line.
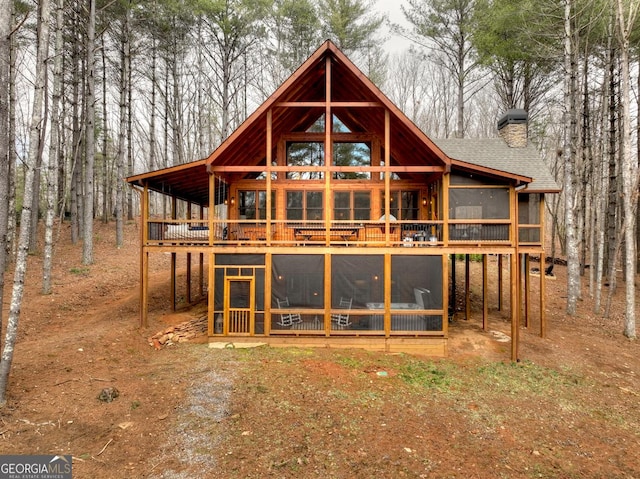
x,y
479,204
493,203
359,278
299,278
529,214
416,283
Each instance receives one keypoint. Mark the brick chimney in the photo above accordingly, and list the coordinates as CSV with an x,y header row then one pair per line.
x,y
513,128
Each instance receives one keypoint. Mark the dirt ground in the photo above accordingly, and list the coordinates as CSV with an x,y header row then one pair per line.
x,y
569,409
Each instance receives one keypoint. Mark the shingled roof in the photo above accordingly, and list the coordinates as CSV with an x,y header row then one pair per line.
x,y
496,154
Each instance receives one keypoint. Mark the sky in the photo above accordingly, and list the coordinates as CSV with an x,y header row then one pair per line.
x,y
391,8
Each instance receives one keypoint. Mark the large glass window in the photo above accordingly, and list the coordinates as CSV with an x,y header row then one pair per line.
x,y
304,205
308,153
404,204
249,209
351,154
352,205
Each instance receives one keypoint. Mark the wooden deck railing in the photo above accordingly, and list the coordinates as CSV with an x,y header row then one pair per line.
x,y
335,233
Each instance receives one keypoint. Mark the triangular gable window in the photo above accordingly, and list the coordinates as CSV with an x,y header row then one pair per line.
x,y
338,125
317,126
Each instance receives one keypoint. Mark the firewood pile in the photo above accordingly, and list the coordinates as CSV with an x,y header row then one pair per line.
x,y
179,333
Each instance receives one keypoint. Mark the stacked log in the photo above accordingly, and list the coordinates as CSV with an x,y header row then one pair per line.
x,y
180,333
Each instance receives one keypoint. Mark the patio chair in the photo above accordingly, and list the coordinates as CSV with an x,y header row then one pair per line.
x,y
287,319
340,319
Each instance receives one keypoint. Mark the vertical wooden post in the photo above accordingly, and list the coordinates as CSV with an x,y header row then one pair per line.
x,y
445,209
500,282
268,226
387,178
543,306
445,294
527,286
173,260
467,287
188,280
144,259
328,151
211,294
201,263
387,295
327,294
543,315
485,292
515,307
268,268
452,300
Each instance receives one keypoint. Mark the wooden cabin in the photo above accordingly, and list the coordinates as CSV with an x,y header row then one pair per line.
x,y
329,219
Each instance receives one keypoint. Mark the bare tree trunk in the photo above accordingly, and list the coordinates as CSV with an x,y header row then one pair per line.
x,y
129,137
152,113
629,169
75,189
573,261
54,147
124,87
106,196
12,223
25,218
6,7
602,199
612,170
87,237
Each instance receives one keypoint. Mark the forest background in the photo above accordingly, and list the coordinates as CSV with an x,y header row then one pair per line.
x,y
94,91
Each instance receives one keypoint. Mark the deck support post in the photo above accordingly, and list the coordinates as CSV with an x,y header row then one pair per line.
x,y
485,292
467,287
144,288
173,282
500,282
144,258
543,314
527,287
452,300
515,307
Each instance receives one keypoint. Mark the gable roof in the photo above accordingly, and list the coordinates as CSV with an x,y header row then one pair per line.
x,y
300,100
494,153
328,75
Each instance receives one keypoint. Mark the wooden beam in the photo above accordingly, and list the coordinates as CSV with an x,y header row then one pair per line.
x,y
543,259
467,287
144,289
500,282
485,291
527,287
452,300
211,294
322,104
543,314
515,307
445,294
344,169
144,260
